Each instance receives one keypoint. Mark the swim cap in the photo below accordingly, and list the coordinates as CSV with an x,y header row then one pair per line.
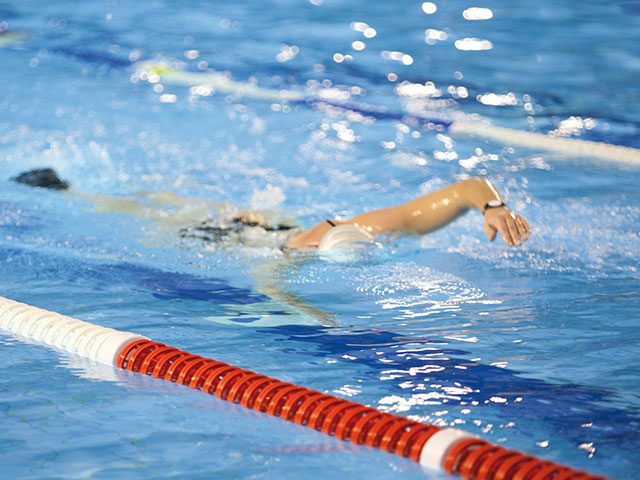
x,y
345,236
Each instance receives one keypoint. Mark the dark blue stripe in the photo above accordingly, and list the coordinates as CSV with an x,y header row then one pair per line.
x,y
379,113
158,283
563,406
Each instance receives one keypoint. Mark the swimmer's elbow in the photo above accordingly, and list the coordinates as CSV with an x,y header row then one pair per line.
x,y
476,183
475,192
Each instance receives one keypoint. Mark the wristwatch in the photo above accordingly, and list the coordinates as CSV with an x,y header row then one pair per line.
x,y
496,203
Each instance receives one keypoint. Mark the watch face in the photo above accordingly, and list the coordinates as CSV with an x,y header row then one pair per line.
x,y
494,203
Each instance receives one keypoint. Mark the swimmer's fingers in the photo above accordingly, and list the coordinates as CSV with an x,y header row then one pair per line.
x,y
518,228
513,228
506,230
523,227
495,221
512,223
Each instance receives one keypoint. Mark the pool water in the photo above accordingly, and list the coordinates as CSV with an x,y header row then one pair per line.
x,y
533,348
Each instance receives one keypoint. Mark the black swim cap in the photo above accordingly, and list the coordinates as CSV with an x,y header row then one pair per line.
x,y
42,177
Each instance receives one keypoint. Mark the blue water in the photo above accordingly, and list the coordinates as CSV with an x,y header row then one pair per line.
x,y
534,348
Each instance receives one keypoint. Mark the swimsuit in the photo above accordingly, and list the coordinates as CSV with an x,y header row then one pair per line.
x,y
248,233
238,231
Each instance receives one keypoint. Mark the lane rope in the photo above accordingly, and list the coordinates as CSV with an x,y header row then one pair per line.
x,y
567,146
155,71
451,450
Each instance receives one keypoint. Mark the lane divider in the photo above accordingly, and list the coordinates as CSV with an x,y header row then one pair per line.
x,y
208,82
451,450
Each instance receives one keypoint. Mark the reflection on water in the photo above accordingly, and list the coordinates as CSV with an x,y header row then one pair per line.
x,y
90,370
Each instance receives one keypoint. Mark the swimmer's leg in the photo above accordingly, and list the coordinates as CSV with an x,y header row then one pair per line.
x,y
49,178
144,205
165,209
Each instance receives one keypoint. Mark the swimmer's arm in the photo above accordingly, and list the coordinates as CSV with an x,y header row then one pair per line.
x,y
269,279
437,209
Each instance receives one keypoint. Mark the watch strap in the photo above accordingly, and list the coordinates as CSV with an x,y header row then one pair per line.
x,y
493,204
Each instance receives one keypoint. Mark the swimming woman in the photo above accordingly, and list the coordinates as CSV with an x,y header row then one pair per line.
x,y
418,216
225,227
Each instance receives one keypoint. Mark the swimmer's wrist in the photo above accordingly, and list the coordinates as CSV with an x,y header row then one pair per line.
x,y
493,204
480,193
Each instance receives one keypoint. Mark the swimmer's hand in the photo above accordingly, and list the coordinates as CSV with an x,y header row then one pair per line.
x,y
513,228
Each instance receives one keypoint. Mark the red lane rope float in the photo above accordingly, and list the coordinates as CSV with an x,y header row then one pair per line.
x,y
479,460
334,416
470,458
450,449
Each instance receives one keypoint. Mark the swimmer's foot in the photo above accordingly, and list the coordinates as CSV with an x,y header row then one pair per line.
x,y
43,178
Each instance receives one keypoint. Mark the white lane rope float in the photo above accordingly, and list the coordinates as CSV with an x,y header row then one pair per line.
x,y
154,72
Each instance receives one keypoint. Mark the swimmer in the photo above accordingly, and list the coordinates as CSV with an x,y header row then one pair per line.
x,y
418,216
225,226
